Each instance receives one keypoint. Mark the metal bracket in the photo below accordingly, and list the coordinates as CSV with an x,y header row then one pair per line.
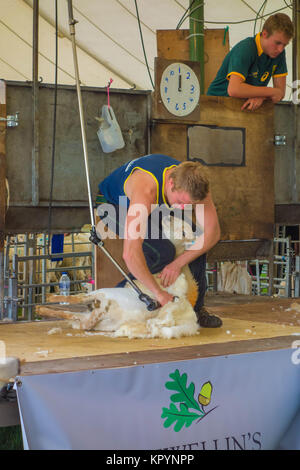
x,y
279,140
12,120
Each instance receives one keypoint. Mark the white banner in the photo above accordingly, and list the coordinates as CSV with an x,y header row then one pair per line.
x,y
245,401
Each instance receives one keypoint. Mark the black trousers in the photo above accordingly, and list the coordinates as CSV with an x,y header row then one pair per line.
x,y
158,251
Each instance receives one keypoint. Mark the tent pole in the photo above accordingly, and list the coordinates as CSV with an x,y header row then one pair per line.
x,y
35,101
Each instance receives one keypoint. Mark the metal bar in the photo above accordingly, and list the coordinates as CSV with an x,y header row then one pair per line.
x,y
25,269
271,268
288,270
151,304
31,274
44,267
13,291
46,284
70,268
297,277
39,303
72,23
258,278
56,255
73,249
35,98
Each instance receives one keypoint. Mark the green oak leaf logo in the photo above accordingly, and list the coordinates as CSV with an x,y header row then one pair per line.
x,y
189,409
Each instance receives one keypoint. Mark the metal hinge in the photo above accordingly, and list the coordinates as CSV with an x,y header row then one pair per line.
x,y
11,120
279,139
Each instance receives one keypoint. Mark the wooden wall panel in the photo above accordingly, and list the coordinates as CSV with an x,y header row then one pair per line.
x,y
106,273
173,44
170,140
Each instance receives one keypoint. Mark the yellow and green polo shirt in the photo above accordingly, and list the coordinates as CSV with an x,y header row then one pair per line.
x,y
248,60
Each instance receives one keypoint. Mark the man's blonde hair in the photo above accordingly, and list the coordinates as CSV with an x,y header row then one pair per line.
x,y
279,22
192,178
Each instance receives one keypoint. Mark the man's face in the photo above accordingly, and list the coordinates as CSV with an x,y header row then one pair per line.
x,y
274,44
178,199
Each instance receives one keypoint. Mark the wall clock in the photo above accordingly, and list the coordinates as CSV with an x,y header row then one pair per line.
x,y
177,89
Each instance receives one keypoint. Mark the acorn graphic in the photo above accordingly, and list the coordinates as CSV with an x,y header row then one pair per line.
x,y
204,396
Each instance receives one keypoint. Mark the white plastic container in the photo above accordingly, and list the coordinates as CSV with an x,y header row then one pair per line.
x,y
64,286
109,132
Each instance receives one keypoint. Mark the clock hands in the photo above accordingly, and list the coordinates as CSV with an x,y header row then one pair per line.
x,y
179,82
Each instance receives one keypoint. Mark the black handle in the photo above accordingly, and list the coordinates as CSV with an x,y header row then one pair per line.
x,y
151,303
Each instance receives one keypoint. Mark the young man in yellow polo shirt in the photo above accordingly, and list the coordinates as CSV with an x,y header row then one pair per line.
x,y
249,66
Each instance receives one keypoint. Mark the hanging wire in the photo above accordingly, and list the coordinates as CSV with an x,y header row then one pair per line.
x,y
236,22
258,15
53,132
185,14
142,41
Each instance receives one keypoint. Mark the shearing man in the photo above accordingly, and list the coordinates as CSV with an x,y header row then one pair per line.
x,y
148,182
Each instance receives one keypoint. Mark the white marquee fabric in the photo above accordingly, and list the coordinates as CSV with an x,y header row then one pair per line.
x,y
108,37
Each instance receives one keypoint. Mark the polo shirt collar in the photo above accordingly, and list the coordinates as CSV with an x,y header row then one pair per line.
x,y
258,44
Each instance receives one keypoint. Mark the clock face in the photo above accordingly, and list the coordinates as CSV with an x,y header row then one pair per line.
x,y
179,89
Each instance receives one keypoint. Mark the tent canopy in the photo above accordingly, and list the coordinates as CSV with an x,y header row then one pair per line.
x,y
108,36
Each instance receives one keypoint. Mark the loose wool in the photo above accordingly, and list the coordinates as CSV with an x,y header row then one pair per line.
x,y
118,312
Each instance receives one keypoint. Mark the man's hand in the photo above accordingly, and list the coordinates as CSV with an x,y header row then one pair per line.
x,y
169,274
164,297
252,104
277,95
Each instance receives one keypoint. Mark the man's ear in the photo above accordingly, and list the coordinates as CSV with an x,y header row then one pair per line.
x,y
264,34
171,183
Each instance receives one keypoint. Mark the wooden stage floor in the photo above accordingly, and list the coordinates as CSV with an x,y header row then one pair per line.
x,y
250,324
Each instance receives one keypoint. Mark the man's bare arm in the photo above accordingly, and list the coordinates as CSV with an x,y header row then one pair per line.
x,y
204,243
280,84
142,192
237,88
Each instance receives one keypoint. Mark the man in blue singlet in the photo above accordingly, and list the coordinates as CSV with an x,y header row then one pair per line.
x,y
251,63
150,182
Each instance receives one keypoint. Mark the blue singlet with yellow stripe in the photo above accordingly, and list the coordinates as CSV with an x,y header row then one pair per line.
x,y
112,187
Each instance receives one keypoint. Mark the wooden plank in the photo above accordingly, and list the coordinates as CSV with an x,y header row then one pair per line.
x,y
138,358
170,139
280,311
174,44
215,50
246,328
106,273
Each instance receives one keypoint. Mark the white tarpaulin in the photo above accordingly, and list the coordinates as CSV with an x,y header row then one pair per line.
x,y
245,401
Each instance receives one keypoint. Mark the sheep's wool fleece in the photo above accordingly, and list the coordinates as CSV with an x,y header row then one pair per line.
x,y
122,314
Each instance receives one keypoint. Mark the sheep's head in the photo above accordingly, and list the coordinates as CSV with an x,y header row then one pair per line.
x,y
178,231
